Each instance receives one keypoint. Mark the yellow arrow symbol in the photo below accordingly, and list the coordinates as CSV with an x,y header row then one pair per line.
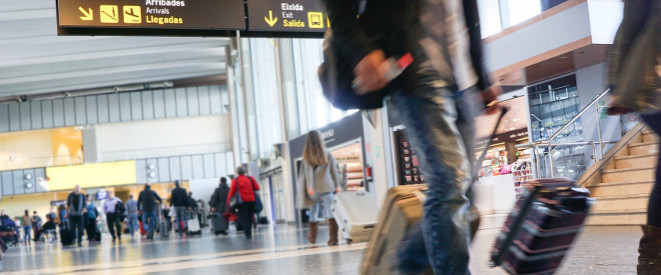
x,y
270,20
88,15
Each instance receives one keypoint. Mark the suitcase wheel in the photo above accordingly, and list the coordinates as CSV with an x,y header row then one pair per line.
x,y
349,241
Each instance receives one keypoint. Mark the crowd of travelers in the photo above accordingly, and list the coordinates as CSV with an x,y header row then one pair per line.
x,y
149,214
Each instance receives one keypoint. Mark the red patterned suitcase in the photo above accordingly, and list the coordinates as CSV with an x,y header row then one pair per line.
x,y
539,232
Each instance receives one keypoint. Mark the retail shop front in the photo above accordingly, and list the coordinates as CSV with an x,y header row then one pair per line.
x,y
504,168
346,142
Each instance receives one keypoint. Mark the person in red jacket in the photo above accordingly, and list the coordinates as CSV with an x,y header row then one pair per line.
x,y
246,186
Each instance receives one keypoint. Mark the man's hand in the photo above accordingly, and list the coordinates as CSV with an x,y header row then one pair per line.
x,y
310,192
490,99
338,190
213,209
369,73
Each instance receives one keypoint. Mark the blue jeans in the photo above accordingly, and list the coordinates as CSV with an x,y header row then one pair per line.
x,y
440,125
317,208
149,220
133,222
26,235
181,215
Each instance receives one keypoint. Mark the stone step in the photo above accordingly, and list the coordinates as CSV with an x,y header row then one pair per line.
x,y
643,148
614,218
636,161
621,188
628,175
620,203
650,137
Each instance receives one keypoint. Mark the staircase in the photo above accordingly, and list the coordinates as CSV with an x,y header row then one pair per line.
x,y
622,182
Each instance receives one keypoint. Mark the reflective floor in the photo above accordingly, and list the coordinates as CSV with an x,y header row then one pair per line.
x,y
283,250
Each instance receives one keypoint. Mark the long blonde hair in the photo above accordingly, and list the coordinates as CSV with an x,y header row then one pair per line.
x,y
315,150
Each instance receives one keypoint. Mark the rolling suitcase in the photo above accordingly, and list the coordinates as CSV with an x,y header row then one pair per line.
x,y
219,224
356,215
194,226
163,229
401,213
540,230
66,236
401,210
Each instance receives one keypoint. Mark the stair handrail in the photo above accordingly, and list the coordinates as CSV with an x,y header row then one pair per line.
x,y
548,142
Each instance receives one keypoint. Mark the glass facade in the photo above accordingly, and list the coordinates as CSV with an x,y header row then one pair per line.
x,y
497,15
286,67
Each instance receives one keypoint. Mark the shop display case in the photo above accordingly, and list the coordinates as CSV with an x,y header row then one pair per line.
x,y
552,105
522,172
350,166
407,161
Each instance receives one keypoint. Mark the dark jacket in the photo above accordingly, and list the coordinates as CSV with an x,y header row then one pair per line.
x,y
394,26
192,203
179,198
219,198
76,204
147,200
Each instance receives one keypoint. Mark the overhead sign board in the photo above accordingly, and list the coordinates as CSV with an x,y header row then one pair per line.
x,y
265,18
287,16
152,14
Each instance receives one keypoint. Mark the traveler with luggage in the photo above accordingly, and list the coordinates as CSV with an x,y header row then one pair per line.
x,y
26,222
440,42
114,210
36,225
318,181
132,213
179,199
635,81
76,202
244,187
218,205
147,202
91,222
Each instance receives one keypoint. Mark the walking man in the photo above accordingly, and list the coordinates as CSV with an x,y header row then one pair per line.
x,y
132,210
76,202
181,203
147,203
432,97
113,209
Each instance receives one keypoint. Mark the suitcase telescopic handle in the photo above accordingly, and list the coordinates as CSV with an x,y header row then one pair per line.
x,y
478,162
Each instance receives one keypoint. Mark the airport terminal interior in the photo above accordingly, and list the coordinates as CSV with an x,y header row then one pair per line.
x,y
111,99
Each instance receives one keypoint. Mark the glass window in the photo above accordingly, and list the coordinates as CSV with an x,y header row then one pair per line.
x,y
489,11
521,10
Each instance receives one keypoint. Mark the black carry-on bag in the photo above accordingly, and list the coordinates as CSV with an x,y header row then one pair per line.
x,y
541,228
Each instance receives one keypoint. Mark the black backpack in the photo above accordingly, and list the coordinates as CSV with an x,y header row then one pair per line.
x,y
336,77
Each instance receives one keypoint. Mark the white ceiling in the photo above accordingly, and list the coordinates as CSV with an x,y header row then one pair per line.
x,y
34,60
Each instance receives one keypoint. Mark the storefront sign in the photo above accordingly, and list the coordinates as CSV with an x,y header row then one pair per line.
x,y
287,16
156,14
504,137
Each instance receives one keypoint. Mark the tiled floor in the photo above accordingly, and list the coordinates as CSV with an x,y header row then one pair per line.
x,y
283,250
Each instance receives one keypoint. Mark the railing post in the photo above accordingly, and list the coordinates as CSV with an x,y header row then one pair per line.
x,y
601,143
539,172
551,160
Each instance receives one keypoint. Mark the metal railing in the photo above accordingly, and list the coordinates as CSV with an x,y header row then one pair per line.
x,y
64,160
551,146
